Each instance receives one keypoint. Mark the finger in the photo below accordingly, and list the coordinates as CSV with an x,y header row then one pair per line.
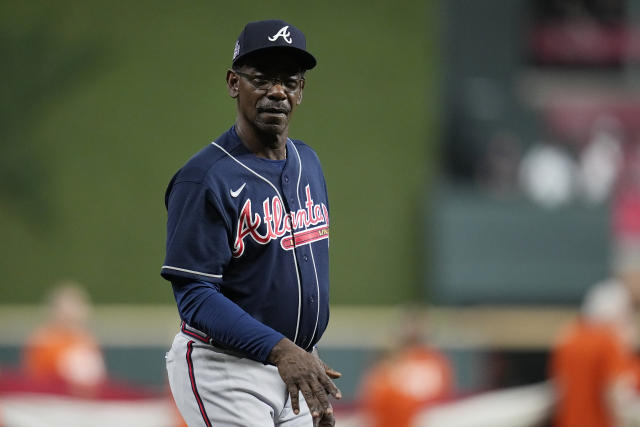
x,y
321,394
295,401
312,401
330,387
327,421
332,373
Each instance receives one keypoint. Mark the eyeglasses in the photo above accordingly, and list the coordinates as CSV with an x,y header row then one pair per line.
x,y
261,82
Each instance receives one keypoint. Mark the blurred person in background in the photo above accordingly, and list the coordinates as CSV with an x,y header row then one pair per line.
x,y
63,349
547,175
401,385
592,363
601,159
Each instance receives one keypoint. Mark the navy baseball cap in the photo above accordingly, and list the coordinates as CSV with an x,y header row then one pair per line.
x,y
274,33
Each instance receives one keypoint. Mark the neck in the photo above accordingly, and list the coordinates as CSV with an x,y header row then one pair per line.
x,y
263,144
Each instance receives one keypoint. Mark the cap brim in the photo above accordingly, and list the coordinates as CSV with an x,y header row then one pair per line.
x,y
302,57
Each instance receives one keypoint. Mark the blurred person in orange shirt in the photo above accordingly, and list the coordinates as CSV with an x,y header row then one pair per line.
x,y
396,389
63,349
592,363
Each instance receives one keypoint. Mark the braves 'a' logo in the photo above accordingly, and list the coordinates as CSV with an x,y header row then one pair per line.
x,y
282,32
308,224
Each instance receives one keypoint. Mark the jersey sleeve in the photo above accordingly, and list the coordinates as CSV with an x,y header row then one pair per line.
x,y
197,234
202,306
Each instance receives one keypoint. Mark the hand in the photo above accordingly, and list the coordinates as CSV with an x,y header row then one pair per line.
x,y
306,373
327,419
331,373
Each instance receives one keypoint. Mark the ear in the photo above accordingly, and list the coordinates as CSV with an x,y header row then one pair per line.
x,y
232,84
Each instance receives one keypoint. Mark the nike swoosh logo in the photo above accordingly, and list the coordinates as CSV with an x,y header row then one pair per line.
x,y
236,193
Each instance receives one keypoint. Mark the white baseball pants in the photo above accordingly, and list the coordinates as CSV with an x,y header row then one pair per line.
x,y
216,389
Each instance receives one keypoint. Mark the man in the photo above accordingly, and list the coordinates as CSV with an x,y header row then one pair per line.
x,y
63,348
592,364
247,253
414,375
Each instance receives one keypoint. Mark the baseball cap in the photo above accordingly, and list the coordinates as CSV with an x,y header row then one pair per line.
x,y
273,33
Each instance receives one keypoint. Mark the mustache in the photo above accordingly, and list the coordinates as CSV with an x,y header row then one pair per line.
x,y
274,107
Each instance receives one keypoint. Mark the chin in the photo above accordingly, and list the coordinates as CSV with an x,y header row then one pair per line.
x,y
273,128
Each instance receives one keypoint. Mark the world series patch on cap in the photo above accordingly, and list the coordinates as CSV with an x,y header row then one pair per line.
x,y
273,33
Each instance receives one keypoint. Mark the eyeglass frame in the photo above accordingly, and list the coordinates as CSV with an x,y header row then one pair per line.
x,y
269,79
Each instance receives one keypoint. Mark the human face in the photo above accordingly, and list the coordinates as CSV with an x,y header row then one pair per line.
x,y
268,87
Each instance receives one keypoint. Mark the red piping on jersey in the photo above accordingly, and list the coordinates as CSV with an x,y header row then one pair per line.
x,y
192,378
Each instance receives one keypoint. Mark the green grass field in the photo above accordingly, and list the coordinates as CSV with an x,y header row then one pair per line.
x,y
104,101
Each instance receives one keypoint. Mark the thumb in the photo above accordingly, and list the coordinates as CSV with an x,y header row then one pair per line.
x,y
331,373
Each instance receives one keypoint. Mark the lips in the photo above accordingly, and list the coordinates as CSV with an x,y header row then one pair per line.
x,y
273,110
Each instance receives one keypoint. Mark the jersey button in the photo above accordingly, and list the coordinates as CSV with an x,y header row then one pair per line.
x,y
286,178
306,258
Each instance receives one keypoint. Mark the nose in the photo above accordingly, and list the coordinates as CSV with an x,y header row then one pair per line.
x,y
276,91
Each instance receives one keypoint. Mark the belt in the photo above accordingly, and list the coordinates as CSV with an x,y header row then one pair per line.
x,y
202,337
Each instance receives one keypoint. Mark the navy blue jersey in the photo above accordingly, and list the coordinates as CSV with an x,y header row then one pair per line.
x,y
258,232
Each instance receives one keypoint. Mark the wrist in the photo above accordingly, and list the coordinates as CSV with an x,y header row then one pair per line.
x,y
282,347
